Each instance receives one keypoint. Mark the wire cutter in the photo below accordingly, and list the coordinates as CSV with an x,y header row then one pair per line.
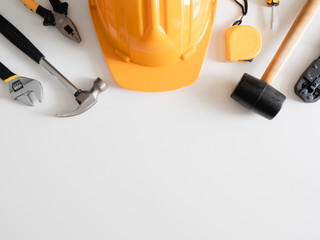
x,y
58,18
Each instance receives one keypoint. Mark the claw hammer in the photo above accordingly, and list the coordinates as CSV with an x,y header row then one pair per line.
x,y
86,99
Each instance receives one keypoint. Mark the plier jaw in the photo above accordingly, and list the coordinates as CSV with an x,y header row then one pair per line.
x,y
67,27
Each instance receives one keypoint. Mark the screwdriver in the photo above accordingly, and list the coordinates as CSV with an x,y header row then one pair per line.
x,y
273,4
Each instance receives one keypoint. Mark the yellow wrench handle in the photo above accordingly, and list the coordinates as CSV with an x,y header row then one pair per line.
x,y
31,5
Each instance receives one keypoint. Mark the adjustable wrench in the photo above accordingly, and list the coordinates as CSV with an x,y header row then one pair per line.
x,y
21,87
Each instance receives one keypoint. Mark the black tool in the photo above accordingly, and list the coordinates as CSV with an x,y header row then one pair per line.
x,y
308,86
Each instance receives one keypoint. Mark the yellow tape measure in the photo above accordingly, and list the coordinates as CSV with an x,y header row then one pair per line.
x,y
243,42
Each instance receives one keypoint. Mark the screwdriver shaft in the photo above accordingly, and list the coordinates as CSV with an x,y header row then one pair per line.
x,y
273,17
273,4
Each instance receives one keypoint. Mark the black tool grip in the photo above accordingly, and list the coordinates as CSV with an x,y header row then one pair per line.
x,y
59,7
5,73
48,18
19,40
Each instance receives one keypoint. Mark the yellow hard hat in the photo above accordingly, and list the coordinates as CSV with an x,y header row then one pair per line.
x,y
154,45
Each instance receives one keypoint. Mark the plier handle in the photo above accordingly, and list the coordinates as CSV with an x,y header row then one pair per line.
x,y
58,18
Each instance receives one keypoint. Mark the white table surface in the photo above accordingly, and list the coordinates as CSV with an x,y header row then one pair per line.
x,y
185,164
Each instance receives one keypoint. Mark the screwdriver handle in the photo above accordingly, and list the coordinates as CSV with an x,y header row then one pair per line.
x,y
295,34
19,40
5,73
272,3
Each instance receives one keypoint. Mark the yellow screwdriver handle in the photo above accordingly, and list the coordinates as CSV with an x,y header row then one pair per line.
x,y
31,5
273,2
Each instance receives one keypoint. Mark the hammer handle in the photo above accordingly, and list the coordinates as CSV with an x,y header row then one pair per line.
x,y
19,40
295,34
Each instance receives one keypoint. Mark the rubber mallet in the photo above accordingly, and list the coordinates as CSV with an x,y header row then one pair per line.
x,y
258,95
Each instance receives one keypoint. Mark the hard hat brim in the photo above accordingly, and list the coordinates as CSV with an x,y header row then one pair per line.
x,y
154,79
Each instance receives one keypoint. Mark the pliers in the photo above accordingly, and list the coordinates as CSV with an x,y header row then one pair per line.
x,y
59,18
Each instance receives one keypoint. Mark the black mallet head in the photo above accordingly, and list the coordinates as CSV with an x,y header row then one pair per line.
x,y
258,96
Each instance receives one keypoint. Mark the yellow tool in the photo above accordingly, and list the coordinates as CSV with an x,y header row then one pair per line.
x,y
243,42
58,18
273,4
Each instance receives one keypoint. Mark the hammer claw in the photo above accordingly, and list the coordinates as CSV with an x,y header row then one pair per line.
x,y
78,111
87,99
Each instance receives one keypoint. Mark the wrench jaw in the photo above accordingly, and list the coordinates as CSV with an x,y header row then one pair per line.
x,y
21,89
87,99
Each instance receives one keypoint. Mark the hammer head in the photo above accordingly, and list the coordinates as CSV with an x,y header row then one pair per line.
x,y
87,99
258,96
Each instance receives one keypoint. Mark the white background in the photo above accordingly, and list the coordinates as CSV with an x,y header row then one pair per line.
x,y
186,164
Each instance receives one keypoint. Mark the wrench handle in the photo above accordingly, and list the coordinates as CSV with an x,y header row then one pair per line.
x,y
19,40
5,73
289,44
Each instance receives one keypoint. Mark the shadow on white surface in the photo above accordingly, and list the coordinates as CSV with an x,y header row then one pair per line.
x,y
217,94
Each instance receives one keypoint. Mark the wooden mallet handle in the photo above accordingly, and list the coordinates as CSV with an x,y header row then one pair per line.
x,y
295,34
